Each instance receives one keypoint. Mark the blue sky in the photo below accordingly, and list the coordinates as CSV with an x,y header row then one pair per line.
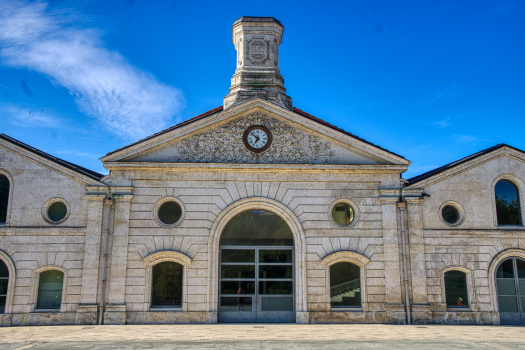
x,y
434,81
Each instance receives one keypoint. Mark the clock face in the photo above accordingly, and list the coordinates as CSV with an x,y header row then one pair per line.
x,y
257,138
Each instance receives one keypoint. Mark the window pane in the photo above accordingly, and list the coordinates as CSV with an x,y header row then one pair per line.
x,y
522,288
169,212
508,304
521,268
276,304
272,271
456,289
2,304
166,290
257,227
275,287
450,214
275,256
506,286
4,197
236,304
3,269
50,290
238,255
345,285
237,287
238,271
506,270
507,203
3,286
343,214
57,211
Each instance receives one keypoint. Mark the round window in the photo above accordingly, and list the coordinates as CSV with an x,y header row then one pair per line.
x,y
450,214
169,212
343,214
57,211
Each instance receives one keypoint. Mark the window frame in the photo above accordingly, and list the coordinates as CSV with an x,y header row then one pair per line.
x,y
160,203
10,197
6,259
470,290
354,258
157,258
354,208
520,185
48,204
36,285
459,208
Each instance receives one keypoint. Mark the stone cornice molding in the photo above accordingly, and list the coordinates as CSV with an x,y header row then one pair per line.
x,y
345,256
501,152
73,175
43,230
167,255
259,105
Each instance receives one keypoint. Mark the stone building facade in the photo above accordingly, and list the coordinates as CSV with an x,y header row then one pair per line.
x,y
310,223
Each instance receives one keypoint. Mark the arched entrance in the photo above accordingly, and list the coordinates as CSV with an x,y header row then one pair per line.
x,y
510,284
256,269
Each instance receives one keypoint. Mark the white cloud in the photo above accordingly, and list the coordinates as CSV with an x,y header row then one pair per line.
x,y
446,92
28,118
443,123
125,100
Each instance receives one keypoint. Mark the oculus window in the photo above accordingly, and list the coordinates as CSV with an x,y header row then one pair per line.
x,y
50,289
456,289
57,211
345,285
507,203
4,280
4,198
343,214
166,288
169,212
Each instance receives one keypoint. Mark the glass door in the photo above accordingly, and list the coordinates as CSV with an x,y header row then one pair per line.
x,y
510,282
256,284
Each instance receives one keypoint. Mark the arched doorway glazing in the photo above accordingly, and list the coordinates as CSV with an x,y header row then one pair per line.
x,y
510,283
257,262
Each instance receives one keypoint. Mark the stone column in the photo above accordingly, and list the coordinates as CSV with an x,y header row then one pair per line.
x,y
88,307
420,307
116,307
394,307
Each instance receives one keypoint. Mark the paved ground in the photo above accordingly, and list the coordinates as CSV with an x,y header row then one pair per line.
x,y
259,336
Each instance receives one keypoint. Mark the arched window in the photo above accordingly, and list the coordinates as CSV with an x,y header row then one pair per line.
x,y
4,198
4,280
507,203
456,292
166,289
345,285
50,289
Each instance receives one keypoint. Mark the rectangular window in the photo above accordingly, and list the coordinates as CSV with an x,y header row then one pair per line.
x,y
456,289
50,290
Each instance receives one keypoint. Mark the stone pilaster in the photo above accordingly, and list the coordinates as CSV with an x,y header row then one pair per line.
x,y
394,307
421,312
116,309
88,308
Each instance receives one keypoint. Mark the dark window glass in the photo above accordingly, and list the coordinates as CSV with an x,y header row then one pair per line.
x,y
50,290
273,271
343,214
505,270
4,280
275,287
57,211
236,304
257,227
450,214
345,285
238,256
456,289
237,287
520,264
4,197
166,289
238,271
169,212
275,256
276,304
507,203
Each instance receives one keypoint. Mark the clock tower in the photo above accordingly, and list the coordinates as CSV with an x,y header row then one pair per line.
x,y
257,41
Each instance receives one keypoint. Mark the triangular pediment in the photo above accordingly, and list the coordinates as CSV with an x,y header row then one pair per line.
x,y
218,138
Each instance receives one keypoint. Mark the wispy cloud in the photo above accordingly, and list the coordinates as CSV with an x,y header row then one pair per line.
x,y
442,123
28,118
79,154
464,138
445,92
125,100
